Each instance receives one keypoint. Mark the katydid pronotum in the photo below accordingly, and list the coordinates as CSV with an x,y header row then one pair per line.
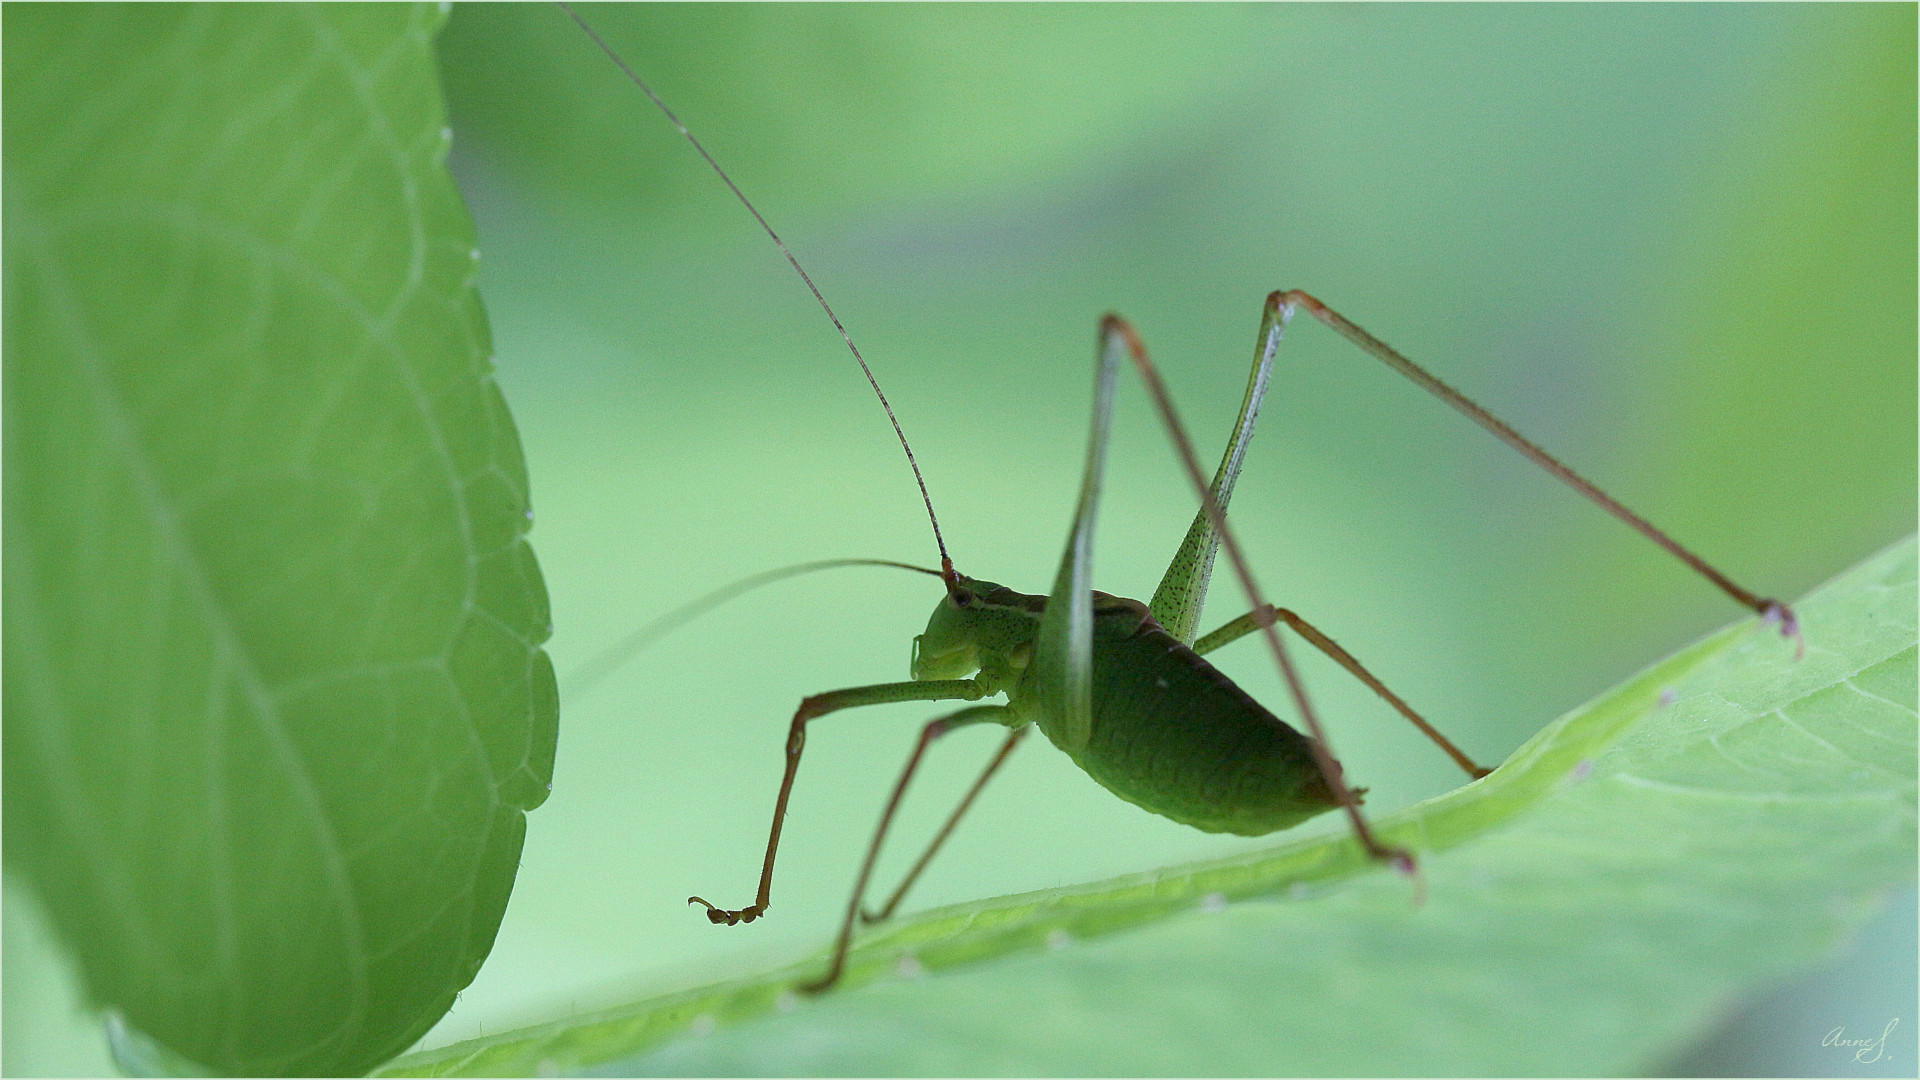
x,y
1121,686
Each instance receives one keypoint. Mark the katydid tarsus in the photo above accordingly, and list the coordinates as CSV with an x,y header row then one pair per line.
x,y
1121,686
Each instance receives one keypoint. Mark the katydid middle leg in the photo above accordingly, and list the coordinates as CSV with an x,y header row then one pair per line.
x,y
1252,620
933,730
993,766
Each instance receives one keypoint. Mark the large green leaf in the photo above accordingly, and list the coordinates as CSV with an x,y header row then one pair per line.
x,y
276,699
1716,821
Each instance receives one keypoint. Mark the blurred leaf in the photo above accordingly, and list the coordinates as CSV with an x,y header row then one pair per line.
x,y
535,95
1804,263
1716,821
277,703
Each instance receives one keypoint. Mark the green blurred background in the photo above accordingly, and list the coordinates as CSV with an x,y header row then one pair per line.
x,y
1673,244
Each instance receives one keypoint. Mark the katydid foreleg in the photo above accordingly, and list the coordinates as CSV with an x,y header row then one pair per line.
x,y
813,708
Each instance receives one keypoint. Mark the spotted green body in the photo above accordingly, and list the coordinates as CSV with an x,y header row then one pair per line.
x,y
1170,732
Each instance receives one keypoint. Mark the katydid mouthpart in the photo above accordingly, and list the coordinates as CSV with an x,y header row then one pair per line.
x,y
1122,687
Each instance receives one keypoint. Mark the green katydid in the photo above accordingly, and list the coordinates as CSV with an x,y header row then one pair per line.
x,y
1121,686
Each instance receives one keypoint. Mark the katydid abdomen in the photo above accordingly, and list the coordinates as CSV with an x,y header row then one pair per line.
x,y
1172,734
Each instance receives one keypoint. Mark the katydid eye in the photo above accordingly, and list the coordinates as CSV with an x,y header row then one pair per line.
x,y
962,597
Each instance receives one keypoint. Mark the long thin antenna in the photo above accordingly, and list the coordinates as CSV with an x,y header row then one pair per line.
x,y
578,682
946,564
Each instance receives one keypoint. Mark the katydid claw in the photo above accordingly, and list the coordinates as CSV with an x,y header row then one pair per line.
x,y
720,915
1403,862
1773,611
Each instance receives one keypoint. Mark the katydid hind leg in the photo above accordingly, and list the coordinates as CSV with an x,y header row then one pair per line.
x,y
1182,592
1283,304
1117,336
812,709
933,730
1061,683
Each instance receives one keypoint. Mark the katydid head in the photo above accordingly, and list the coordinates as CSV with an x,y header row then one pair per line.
x,y
978,626
950,648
